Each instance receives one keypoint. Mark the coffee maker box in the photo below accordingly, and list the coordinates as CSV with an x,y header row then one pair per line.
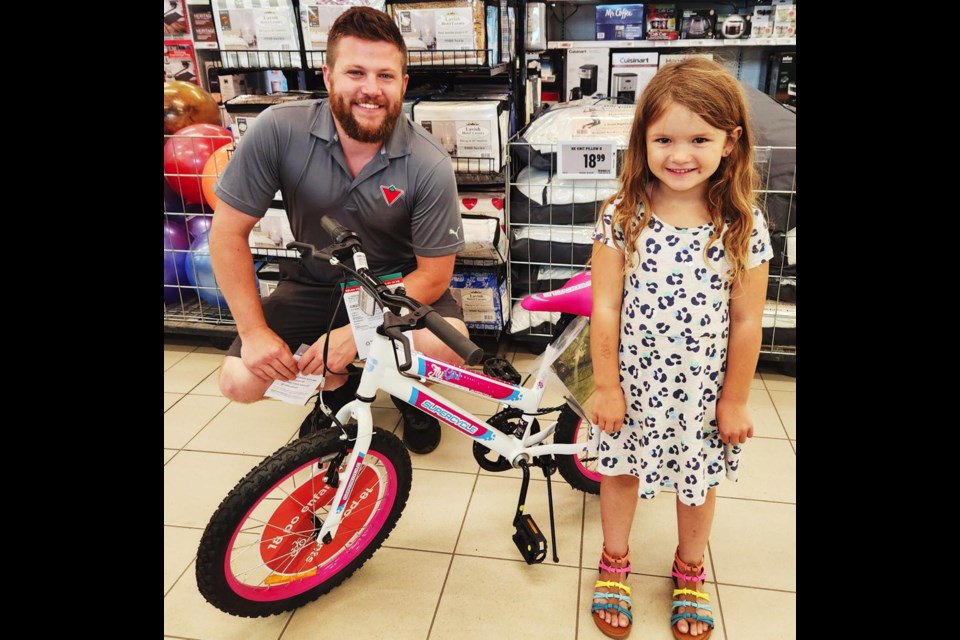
x,y
631,72
698,24
733,26
662,23
782,74
588,73
620,22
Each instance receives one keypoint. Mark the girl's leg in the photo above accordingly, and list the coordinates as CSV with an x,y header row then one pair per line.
x,y
693,529
618,502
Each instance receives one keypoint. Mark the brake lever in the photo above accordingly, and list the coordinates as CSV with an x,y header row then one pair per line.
x,y
392,323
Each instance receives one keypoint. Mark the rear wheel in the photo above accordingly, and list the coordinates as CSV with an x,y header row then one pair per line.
x,y
259,554
580,470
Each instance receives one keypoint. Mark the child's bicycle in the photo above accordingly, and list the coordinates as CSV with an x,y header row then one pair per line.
x,y
311,514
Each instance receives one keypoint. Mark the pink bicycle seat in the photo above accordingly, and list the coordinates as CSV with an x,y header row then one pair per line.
x,y
573,297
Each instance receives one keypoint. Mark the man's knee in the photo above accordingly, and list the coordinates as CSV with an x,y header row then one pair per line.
x,y
237,383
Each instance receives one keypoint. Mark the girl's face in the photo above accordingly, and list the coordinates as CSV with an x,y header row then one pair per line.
x,y
683,151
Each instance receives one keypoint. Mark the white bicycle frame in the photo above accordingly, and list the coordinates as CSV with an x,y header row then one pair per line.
x,y
381,372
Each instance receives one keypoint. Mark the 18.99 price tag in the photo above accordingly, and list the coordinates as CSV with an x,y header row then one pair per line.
x,y
588,160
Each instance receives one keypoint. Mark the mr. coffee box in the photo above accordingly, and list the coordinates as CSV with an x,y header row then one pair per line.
x,y
619,22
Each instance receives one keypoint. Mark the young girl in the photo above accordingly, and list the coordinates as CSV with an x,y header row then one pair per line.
x,y
679,280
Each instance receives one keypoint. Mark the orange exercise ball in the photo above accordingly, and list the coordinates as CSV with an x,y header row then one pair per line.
x,y
212,170
184,103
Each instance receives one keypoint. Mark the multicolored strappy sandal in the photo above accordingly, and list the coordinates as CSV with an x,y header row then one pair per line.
x,y
685,600
613,565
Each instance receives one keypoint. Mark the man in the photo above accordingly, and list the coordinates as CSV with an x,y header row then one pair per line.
x,y
355,157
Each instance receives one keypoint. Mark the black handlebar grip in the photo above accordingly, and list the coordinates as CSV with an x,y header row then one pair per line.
x,y
462,346
337,231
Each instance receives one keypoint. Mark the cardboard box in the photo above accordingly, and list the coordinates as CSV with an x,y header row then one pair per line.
x,y
733,26
782,73
785,21
662,23
667,58
642,65
698,24
588,73
762,23
483,296
620,22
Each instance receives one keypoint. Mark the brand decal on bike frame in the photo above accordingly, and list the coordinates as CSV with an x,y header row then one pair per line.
x,y
353,479
446,414
490,387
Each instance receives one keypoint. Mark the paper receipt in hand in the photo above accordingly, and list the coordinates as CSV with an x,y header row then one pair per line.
x,y
296,391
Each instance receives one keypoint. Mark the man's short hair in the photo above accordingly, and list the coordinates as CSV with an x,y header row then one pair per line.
x,y
365,23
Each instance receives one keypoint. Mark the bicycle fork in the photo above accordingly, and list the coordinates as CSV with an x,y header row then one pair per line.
x,y
348,478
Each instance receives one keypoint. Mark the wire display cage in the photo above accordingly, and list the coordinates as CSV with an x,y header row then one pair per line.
x,y
550,225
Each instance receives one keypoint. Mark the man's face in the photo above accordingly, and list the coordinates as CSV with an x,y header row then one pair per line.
x,y
366,86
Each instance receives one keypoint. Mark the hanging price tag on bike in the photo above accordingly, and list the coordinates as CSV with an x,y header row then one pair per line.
x,y
587,159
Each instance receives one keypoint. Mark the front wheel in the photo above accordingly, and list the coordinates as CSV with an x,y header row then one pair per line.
x,y
259,554
580,470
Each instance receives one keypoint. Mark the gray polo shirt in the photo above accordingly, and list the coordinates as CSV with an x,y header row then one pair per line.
x,y
402,204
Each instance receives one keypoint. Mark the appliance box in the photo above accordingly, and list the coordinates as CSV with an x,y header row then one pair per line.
x,y
620,22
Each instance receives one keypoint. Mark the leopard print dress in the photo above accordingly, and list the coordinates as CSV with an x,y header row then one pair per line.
x,y
674,328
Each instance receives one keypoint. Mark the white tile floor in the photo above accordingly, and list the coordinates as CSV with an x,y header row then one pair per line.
x,y
454,572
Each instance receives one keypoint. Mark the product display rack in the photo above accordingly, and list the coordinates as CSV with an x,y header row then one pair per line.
x,y
553,244
441,68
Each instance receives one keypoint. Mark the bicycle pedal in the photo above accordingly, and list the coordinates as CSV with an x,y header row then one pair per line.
x,y
502,369
529,540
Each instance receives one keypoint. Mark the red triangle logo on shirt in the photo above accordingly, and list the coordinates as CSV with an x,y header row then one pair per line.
x,y
390,194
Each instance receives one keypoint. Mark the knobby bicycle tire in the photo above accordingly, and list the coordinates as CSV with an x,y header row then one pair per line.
x,y
259,555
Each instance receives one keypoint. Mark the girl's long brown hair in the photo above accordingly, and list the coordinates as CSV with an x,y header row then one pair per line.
x,y
708,90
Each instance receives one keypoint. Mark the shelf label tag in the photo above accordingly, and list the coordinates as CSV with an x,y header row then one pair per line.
x,y
591,159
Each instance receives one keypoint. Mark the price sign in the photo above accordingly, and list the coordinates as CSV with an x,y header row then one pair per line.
x,y
587,159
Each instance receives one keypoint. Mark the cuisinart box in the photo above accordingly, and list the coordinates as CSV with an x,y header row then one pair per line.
x,y
619,22
473,133
630,73
588,73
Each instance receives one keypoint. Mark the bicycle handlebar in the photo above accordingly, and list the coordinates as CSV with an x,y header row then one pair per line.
x,y
347,240
461,345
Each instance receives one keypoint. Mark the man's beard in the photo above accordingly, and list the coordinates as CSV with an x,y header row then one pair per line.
x,y
341,107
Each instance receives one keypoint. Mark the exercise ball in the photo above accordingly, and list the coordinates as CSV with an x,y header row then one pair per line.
x,y
176,243
186,153
200,272
198,225
215,165
184,103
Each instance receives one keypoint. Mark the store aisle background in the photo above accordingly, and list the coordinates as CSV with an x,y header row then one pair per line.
x,y
450,569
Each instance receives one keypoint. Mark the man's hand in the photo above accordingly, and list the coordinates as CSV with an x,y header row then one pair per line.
x,y
267,356
342,351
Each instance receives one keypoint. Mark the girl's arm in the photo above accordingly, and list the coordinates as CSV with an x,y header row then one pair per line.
x,y
743,350
609,407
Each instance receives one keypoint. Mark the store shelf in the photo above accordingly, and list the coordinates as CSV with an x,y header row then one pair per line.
x,y
232,61
670,44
